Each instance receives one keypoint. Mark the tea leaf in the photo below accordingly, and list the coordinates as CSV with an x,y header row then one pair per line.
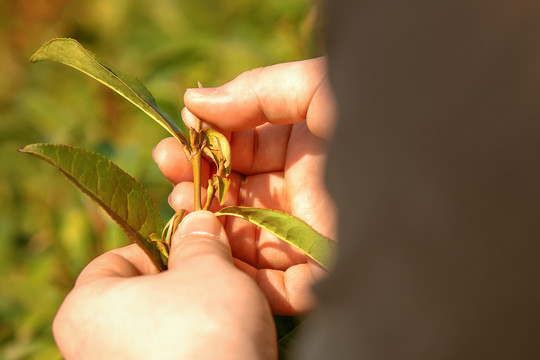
x,y
120,195
71,53
218,149
289,228
222,185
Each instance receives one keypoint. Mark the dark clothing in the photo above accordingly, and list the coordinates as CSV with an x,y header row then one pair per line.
x,y
436,173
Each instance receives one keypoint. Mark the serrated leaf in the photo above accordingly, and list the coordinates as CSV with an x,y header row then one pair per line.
x,y
218,149
71,53
119,194
288,228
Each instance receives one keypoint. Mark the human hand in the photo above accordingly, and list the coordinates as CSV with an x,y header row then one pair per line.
x,y
278,120
203,307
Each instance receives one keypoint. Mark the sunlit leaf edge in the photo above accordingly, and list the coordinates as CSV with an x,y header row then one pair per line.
x,y
321,248
144,243
151,108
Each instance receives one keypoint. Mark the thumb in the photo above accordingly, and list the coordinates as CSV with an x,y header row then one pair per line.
x,y
199,237
279,94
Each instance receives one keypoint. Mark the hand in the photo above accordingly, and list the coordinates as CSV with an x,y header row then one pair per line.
x,y
278,120
203,307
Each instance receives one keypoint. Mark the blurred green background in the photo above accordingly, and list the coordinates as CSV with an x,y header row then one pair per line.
x,y
48,231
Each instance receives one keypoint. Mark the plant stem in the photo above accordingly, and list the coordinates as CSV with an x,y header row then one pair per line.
x,y
197,150
196,164
197,147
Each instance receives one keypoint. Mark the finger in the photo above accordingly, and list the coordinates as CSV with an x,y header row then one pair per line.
x,y
288,292
248,242
260,150
182,196
200,239
260,248
191,121
172,162
252,151
280,94
124,262
308,197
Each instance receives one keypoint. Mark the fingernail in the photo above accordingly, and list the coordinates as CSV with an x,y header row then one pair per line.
x,y
200,222
189,119
200,92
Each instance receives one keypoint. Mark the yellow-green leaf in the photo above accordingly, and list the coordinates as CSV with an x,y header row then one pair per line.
x,y
119,194
71,53
222,185
218,149
289,228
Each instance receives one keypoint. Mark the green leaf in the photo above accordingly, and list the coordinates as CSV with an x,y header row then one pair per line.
x,y
289,228
120,195
287,328
218,149
71,53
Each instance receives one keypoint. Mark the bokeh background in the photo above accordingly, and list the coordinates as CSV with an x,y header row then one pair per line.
x,y
48,230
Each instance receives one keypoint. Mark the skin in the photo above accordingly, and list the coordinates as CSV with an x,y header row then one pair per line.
x,y
271,116
207,305
120,308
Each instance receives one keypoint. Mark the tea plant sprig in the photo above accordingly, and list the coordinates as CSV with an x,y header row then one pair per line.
x,y
127,202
